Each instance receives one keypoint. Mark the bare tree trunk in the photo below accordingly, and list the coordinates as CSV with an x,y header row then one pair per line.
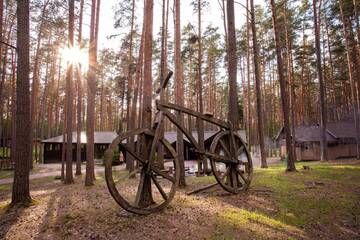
x,y
233,114
69,101
35,82
284,96
200,122
354,72
13,105
90,123
331,62
323,115
258,88
290,78
144,197
22,153
248,132
137,83
162,77
131,121
179,92
79,97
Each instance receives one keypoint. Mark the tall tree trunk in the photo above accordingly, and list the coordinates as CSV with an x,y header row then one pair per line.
x,y
22,153
131,121
233,114
179,91
290,74
137,83
258,88
284,95
144,197
69,100
43,103
248,132
331,62
35,82
200,122
79,97
323,115
162,76
354,72
13,105
91,82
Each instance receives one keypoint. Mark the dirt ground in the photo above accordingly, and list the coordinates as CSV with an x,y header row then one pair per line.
x,y
322,203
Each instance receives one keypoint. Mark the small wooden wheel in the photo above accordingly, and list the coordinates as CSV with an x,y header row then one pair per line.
x,y
151,185
231,162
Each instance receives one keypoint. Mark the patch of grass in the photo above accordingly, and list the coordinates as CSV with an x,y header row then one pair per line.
x,y
242,217
322,193
200,180
4,207
6,174
4,187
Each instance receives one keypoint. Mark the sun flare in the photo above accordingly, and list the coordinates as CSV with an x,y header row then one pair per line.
x,y
76,56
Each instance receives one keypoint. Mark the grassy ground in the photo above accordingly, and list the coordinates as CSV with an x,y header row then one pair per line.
x,y
10,173
320,203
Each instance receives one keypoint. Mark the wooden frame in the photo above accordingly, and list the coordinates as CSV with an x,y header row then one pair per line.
x,y
225,149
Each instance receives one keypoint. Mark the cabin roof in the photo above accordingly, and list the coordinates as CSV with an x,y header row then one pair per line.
x,y
108,137
311,133
99,138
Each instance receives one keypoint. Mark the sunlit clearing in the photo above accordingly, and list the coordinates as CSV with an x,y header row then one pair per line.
x,y
76,56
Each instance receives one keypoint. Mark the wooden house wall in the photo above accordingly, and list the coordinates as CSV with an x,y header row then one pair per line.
x,y
311,151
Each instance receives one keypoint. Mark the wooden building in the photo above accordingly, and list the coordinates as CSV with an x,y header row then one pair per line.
x,y
341,141
53,146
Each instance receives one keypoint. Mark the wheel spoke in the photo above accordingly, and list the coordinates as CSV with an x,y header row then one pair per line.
x,y
240,150
131,152
242,176
163,174
225,174
129,175
161,190
223,145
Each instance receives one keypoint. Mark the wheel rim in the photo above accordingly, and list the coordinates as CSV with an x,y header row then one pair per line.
x,y
232,171
125,187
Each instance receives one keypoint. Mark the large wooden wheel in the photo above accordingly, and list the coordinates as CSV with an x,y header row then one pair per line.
x,y
151,185
231,162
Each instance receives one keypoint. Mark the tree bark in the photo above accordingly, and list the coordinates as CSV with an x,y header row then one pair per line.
x,y
131,121
22,153
69,101
284,96
144,197
91,82
323,115
354,72
179,92
79,97
258,88
233,114
248,132
35,83
290,74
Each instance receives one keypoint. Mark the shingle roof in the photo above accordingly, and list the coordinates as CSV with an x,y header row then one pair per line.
x,y
99,138
335,131
342,129
310,134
